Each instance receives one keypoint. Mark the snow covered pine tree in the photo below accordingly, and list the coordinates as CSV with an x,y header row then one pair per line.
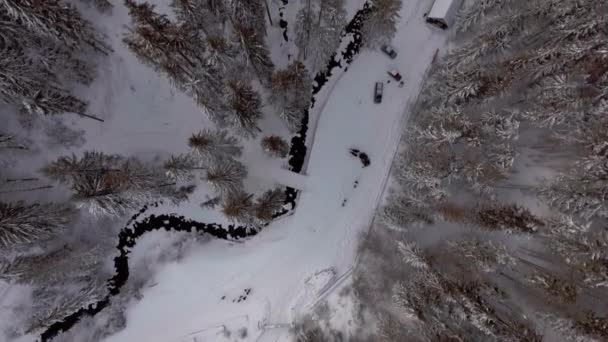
x,y
22,223
290,93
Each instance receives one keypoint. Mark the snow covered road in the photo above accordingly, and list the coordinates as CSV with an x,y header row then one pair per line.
x,y
338,204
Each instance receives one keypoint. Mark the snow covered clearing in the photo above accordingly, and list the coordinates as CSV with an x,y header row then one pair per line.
x,y
197,293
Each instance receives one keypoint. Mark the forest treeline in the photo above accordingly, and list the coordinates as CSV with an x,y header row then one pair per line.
x,y
52,216
496,228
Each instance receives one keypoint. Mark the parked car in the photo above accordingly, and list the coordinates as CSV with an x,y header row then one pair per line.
x,y
394,73
378,89
387,49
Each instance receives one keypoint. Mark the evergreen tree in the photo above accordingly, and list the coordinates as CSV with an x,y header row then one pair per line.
x,y
221,53
209,15
275,146
237,207
318,31
210,144
268,204
33,66
226,175
180,167
381,24
68,264
404,211
52,305
509,218
103,6
257,55
243,107
290,93
21,223
69,169
110,184
248,13
55,19
166,46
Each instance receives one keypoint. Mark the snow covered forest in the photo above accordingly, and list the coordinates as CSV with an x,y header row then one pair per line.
x,y
192,170
495,228
112,108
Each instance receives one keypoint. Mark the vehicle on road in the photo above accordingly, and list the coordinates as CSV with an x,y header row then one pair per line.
x,y
378,89
389,51
443,13
394,73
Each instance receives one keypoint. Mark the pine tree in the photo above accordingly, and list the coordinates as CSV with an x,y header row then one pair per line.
x,y
404,211
290,93
24,82
248,13
103,6
68,264
21,223
68,169
318,31
226,175
52,305
487,256
222,53
237,207
257,55
118,192
243,105
166,46
211,203
381,24
210,144
55,19
32,67
275,146
579,193
110,184
181,167
209,16
510,218
268,204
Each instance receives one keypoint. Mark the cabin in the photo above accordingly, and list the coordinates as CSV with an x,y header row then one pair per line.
x,y
443,13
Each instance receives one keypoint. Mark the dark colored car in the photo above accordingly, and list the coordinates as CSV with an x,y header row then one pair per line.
x,y
387,49
378,89
394,74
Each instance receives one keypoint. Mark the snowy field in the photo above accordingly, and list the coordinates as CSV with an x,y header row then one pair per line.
x,y
285,268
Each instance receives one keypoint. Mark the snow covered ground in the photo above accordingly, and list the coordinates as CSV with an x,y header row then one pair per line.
x,y
197,299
